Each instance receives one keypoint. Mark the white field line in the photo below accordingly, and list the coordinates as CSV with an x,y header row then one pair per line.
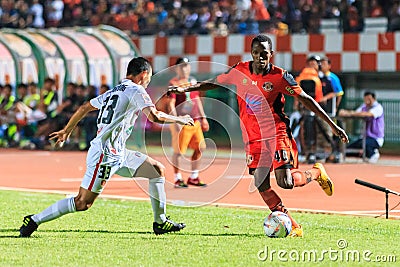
x,y
364,213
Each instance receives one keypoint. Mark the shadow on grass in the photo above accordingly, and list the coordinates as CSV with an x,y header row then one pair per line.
x,y
126,232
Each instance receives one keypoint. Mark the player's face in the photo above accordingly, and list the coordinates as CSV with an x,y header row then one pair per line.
x,y
183,71
261,53
147,78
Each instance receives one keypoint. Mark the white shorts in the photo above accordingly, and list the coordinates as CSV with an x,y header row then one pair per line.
x,y
100,167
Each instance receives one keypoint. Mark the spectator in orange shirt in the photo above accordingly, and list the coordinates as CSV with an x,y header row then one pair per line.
x,y
311,84
261,12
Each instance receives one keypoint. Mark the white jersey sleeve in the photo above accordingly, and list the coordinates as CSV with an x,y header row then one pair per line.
x,y
97,102
142,99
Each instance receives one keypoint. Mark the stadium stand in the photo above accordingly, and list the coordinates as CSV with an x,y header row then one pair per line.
x,y
178,17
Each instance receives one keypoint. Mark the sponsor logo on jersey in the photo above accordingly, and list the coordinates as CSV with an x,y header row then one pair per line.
x,y
253,104
267,86
290,90
254,82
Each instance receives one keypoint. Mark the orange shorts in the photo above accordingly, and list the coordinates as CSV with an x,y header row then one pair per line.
x,y
188,137
259,155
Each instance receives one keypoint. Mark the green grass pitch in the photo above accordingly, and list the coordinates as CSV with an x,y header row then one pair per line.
x,y
119,233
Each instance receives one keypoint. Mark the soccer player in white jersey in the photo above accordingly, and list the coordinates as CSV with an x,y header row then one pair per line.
x,y
107,155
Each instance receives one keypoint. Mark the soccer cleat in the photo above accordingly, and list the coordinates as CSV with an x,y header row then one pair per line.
x,y
180,184
296,232
28,227
323,179
195,182
167,226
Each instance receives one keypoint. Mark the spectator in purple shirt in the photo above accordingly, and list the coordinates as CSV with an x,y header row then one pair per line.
x,y
373,113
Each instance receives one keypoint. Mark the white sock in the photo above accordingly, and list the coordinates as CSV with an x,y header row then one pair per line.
x,y
158,199
58,209
195,174
178,176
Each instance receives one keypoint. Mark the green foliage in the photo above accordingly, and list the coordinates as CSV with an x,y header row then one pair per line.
x,y
119,233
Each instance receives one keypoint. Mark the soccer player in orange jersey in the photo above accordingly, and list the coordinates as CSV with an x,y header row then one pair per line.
x,y
271,83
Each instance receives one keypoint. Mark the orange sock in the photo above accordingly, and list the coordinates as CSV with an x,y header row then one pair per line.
x,y
274,203
271,198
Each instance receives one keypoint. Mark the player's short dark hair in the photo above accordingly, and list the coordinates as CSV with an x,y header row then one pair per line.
x,y
367,93
182,60
261,38
138,65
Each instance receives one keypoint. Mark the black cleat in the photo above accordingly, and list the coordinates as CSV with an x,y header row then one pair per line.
x,y
28,227
167,226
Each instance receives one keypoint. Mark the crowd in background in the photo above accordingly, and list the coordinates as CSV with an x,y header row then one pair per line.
x,y
30,115
177,17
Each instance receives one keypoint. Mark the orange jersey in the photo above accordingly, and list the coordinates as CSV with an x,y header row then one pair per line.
x,y
258,92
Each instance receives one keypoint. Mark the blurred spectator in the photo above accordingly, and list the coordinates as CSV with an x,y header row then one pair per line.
x,y
394,18
54,10
90,121
22,92
33,97
36,10
311,84
8,128
375,10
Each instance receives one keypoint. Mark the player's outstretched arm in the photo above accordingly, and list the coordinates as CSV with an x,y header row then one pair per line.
x,y
64,134
200,86
157,116
312,105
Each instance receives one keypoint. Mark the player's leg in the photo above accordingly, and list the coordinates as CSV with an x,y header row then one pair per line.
x,y
137,164
198,144
270,197
175,132
286,173
98,171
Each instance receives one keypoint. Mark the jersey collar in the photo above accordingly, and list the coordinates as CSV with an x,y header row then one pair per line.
x,y
265,72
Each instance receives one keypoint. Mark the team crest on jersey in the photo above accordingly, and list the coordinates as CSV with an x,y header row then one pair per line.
x,y
244,82
267,86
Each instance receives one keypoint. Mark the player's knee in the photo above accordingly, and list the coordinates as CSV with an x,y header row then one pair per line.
x,y
284,180
262,179
82,204
160,169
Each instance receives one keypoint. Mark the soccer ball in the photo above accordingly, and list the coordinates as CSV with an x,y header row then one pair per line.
x,y
277,224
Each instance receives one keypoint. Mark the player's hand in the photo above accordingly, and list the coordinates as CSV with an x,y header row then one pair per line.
x,y
61,137
186,120
175,90
341,133
204,125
